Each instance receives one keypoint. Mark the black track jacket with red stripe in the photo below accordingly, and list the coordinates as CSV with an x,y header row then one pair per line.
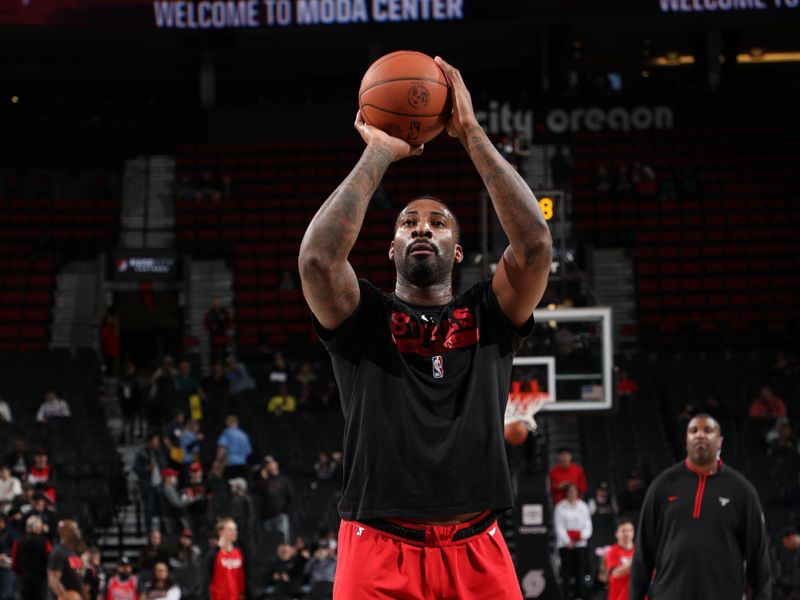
x,y
696,535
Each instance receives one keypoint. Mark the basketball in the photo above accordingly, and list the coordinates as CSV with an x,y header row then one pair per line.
x,y
406,94
516,433
73,595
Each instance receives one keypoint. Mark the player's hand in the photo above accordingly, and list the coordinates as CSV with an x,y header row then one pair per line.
x,y
373,136
463,117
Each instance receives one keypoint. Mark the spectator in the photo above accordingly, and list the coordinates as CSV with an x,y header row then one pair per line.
x,y
41,473
225,564
10,488
64,564
618,561
130,401
53,406
163,397
173,431
186,553
767,406
286,573
782,443
216,393
573,526
234,445
282,402
94,577
321,568
185,383
42,510
21,506
565,473
190,442
19,460
109,344
286,284
218,491
196,490
5,412
217,323
29,561
154,552
175,516
161,586
238,376
302,553
626,387
279,373
276,493
123,585
242,511
632,497
325,468
147,466
603,503
790,579
7,575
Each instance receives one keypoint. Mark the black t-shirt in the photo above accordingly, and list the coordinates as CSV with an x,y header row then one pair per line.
x,y
70,566
423,391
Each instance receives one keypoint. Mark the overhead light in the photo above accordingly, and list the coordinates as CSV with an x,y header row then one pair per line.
x,y
645,74
673,59
757,55
14,99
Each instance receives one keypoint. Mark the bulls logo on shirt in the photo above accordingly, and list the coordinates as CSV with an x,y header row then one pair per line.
x,y
425,337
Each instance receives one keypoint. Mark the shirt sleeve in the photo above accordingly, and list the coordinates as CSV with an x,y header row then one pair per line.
x,y
586,530
561,530
344,339
644,554
513,337
755,547
612,560
56,560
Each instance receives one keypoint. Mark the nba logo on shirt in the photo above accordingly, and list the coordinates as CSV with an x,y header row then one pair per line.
x,y
438,366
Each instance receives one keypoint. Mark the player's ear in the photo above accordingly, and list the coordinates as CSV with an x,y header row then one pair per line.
x,y
391,250
459,253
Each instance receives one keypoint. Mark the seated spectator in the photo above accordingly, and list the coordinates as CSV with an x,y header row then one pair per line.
x,y
123,585
5,412
781,440
41,474
234,446
573,527
321,568
19,460
29,561
186,553
154,552
324,467
626,386
286,573
21,506
40,508
282,402
238,376
566,473
161,586
93,574
53,406
603,503
632,497
10,488
767,406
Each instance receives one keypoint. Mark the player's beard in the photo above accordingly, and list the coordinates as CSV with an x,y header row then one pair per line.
x,y
425,271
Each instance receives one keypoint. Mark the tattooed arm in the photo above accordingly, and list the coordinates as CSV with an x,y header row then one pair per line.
x,y
329,282
521,277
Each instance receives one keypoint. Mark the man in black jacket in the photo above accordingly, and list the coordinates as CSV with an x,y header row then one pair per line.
x,y
701,530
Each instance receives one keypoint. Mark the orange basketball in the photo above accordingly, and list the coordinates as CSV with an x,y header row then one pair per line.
x,y
516,433
73,595
406,94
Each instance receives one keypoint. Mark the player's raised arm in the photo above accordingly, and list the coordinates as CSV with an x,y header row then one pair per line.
x,y
329,282
521,277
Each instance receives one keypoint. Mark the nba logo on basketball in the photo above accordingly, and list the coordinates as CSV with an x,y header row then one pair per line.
x,y
438,366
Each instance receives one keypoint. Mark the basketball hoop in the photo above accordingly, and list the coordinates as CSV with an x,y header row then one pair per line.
x,y
522,406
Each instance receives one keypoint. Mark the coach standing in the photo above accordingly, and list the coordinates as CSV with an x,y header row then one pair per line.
x,y
701,530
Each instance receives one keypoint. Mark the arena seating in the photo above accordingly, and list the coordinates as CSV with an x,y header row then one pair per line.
x,y
277,190
38,229
720,264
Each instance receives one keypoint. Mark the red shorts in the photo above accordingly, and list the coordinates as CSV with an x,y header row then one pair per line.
x,y
407,561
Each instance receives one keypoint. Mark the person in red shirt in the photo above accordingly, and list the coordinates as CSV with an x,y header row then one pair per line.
x,y
618,561
565,473
225,564
767,405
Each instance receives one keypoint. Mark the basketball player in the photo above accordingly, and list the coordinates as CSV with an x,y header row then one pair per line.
x,y
424,376
701,530
64,566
